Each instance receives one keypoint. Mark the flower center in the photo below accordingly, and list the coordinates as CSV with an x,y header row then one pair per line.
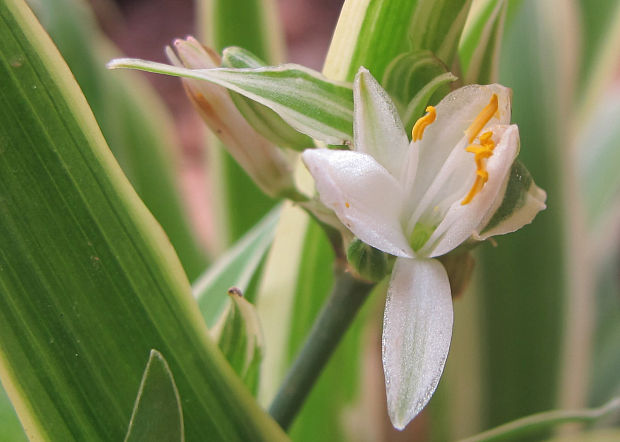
x,y
420,125
421,233
481,152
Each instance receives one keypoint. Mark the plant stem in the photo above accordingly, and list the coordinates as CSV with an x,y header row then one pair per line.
x,y
334,319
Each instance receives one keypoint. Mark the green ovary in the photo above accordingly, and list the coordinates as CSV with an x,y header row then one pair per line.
x,y
421,233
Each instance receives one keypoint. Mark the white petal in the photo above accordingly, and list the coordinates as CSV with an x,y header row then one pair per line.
x,y
461,221
364,195
455,113
377,128
417,328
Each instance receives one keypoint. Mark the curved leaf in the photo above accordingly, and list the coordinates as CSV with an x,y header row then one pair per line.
x,y
88,281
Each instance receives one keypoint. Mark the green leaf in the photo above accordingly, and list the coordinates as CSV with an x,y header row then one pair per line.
x,y
437,26
89,282
157,414
312,104
529,425
132,118
240,338
265,121
12,430
524,281
480,44
237,267
361,39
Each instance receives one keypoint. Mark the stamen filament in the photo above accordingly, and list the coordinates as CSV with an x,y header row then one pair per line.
x,y
483,118
481,152
420,125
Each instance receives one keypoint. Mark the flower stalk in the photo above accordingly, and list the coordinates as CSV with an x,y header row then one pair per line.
x,y
334,319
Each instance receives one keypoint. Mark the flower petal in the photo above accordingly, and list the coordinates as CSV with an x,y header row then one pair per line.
x,y
417,328
364,195
377,128
462,221
455,113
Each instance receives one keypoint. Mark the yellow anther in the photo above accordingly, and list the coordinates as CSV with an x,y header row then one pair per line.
x,y
483,118
481,152
420,125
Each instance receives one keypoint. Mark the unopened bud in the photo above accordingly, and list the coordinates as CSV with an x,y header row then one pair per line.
x,y
263,161
370,263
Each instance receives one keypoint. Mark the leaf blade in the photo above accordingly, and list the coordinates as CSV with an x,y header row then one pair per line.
x,y
157,413
76,243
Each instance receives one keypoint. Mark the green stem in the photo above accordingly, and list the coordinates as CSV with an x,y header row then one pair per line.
x,y
347,296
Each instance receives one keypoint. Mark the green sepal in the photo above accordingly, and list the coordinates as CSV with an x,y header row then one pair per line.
x,y
240,337
371,264
522,200
265,121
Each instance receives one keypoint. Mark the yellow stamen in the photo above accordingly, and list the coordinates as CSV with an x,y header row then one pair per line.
x,y
481,152
483,118
420,125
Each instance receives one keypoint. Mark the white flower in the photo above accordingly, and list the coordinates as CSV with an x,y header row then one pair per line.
x,y
417,201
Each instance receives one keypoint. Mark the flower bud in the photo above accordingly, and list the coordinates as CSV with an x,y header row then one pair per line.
x,y
370,263
264,162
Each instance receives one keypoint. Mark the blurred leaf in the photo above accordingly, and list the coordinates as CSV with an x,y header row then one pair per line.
x,y
265,121
237,267
309,102
600,21
251,24
605,377
480,45
240,338
157,414
89,282
132,119
254,25
598,148
527,426
437,26
523,286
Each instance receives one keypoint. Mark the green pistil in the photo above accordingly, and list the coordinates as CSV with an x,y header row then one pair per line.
x,y
421,233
